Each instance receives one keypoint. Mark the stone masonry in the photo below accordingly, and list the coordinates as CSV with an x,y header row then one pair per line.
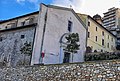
x,y
11,43
88,71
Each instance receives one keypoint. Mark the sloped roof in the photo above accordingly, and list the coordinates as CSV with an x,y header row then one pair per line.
x,y
88,16
68,9
101,25
19,17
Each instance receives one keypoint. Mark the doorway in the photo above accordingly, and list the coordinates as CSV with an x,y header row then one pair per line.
x,y
66,57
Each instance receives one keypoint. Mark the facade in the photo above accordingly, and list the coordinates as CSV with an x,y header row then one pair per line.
x,y
111,21
44,31
53,25
14,33
99,38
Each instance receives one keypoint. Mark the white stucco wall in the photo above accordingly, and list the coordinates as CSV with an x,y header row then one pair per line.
x,y
56,26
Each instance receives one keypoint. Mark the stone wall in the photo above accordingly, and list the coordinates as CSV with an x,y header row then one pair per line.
x,y
11,42
88,71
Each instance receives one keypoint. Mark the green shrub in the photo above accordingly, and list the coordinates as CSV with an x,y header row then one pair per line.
x,y
101,56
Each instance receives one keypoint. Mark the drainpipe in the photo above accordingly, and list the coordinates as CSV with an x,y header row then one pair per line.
x,y
44,28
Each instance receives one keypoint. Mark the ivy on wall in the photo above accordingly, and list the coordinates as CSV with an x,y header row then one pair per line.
x,y
27,48
72,43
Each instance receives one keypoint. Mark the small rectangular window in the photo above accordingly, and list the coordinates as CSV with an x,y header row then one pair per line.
x,y
5,27
96,38
1,38
111,47
88,34
70,26
103,33
108,45
22,23
108,36
22,36
103,42
13,25
112,39
88,23
96,28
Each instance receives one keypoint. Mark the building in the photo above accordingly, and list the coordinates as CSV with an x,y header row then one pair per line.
x,y
111,21
14,33
99,38
44,32
53,24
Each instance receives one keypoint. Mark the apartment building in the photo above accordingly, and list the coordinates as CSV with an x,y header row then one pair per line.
x,y
99,38
111,21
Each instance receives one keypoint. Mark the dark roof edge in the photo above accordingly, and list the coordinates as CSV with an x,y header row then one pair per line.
x,y
101,26
19,17
21,27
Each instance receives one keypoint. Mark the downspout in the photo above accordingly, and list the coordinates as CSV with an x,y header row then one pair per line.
x,y
44,28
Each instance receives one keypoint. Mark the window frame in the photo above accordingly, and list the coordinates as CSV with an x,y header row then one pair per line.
x,y
96,38
22,36
70,25
103,42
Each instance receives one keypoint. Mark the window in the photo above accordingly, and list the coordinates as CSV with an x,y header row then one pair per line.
x,y
13,25
112,39
111,47
108,36
88,34
22,23
96,28
108,45
70,26
5,27
103,42
22,36
103,33
1,39
96,38
31,20
88,23
101,50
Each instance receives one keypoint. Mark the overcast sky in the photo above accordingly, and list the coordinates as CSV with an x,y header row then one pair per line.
x,y
90,7
13,8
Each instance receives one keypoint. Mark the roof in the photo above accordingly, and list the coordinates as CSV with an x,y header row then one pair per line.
x,y
97,16
97,23
68,9
50,6
101,26
21,27
19,17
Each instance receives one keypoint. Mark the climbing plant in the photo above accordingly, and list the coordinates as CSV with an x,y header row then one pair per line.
x,y
27,48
